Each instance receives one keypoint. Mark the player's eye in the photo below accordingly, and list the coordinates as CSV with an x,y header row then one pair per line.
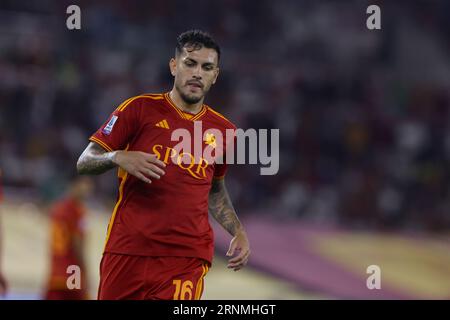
x,y
189,63
208,67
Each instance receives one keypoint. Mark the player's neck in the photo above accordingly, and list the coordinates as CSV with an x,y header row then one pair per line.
x,y
182,105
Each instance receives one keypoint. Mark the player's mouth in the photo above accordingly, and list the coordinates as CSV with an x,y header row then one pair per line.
x,y
195,85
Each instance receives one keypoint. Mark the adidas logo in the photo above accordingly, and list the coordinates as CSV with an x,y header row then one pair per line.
x,y
163,124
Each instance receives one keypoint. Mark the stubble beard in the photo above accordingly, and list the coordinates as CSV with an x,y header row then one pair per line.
x,y
188,98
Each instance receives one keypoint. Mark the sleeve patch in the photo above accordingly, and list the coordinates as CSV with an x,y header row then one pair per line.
x,y
109,127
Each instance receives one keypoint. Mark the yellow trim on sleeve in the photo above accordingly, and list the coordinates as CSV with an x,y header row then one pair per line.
x,y
101,143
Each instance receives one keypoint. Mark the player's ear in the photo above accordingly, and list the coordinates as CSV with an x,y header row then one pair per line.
x,y
173,66
216,75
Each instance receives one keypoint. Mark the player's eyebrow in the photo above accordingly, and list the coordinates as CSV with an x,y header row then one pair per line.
x,y
205,64
190,59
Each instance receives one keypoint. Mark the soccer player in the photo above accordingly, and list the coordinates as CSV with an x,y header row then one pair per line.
x,y
67,241
159,242
3,283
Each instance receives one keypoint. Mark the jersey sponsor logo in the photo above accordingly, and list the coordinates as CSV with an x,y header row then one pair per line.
x,y
184,160
108,128
163,124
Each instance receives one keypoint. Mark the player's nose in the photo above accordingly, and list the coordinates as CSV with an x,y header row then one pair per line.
x,y
197,73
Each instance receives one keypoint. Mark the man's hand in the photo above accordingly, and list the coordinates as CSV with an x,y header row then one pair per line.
x,y
240,244
3,285
140,164
222,210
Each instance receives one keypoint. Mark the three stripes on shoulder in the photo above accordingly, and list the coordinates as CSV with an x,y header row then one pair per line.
x,y
163,124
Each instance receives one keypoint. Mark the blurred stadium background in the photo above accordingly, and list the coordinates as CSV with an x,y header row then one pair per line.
x,y
364,130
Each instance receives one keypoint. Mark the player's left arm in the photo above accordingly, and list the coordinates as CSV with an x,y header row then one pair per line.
x,y
221,208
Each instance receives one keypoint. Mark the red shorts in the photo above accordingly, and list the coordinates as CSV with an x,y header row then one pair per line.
x,y
125,277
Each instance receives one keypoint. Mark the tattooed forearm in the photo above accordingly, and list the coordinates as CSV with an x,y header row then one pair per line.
x,y
221,208
95,160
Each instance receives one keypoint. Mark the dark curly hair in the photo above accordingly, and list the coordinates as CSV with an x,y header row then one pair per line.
x,y
195,40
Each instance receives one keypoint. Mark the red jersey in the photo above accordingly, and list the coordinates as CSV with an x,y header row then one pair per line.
x,y
168,217
67,223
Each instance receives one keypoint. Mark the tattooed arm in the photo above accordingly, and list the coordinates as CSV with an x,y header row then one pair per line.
x,y
222,210
96,160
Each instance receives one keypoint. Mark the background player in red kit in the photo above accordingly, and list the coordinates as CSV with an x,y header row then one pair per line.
x,y
3,284
67,218
159,242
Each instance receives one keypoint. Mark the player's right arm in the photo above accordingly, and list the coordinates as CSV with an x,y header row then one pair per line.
x,y
108,147
96,160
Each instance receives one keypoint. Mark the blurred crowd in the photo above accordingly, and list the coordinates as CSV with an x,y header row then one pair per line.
x,y
363,115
